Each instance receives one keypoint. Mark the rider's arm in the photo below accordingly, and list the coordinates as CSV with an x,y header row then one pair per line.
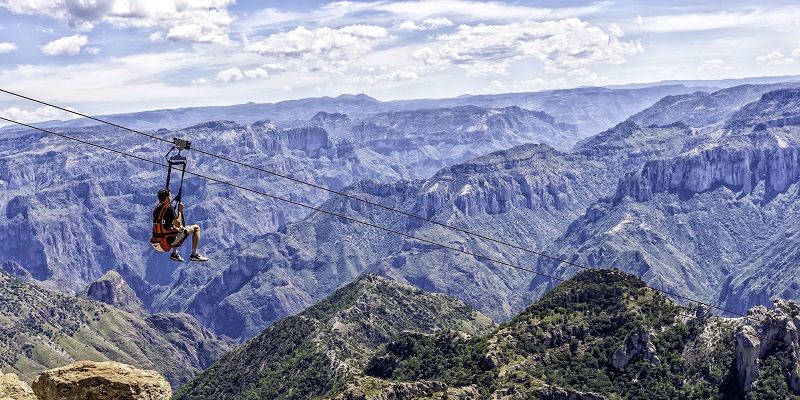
x,y
177,221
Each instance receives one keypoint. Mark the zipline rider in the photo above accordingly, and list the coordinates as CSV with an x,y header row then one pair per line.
x,y
172,230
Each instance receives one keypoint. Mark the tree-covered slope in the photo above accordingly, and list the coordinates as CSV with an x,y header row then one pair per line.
x,y
305,356
41,329
601,334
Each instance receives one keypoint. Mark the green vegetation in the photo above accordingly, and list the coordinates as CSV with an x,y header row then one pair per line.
x,y
40,330
775,368
568,340
308,355
602,332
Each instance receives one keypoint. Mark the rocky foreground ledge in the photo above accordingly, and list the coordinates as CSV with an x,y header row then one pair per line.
x,y
89,380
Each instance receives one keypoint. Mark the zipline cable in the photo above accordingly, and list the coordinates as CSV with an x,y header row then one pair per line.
x,y
372,203
372,225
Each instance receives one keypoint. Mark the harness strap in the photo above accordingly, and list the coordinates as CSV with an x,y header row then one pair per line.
x,y
159,223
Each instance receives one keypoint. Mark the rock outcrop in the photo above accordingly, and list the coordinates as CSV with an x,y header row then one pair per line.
x,y
87,380
112,289
11,388
762,332
638,342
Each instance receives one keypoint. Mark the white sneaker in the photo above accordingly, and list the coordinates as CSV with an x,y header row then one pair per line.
x,y
197,257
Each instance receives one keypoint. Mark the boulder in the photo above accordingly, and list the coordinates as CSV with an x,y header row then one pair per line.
x,y
11,388
86,380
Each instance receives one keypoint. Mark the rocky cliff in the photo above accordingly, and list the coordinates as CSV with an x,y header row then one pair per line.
x,y
767,333
738,162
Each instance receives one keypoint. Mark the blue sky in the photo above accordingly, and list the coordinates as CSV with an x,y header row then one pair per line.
x,y
110,56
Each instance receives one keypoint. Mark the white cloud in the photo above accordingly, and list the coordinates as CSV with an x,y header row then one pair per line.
x,y
66,46
201,81
199,33
480,10
200,21
37,115
713,65
43,29
775,58
230,74
744,18
256,73
559,45
92,50
275,67
286,89
428,24
495,87
545,84
156,36
796,52
7,47
395,75
326,49
583,76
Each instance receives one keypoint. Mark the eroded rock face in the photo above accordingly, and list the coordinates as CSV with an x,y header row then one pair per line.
x,y
105,380
739,162
13,388
639,342
112,289
759,334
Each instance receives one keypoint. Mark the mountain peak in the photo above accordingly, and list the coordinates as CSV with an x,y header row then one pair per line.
x,y
331,340
112,289
360,96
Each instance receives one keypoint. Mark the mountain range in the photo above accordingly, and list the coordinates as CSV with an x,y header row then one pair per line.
x,y
585,207
686,193
72,213
692,191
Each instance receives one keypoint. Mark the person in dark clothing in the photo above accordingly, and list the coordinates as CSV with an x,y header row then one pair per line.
x,y
171,223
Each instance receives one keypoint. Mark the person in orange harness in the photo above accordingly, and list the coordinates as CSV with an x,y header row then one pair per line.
x,y
172,230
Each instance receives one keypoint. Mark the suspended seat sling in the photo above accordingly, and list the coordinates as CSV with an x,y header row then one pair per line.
x,y
164,233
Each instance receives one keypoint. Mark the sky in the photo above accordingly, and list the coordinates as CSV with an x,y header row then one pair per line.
x,y
116,56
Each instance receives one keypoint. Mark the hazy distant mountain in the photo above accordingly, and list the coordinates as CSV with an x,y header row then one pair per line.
x,y
715,83
590,109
